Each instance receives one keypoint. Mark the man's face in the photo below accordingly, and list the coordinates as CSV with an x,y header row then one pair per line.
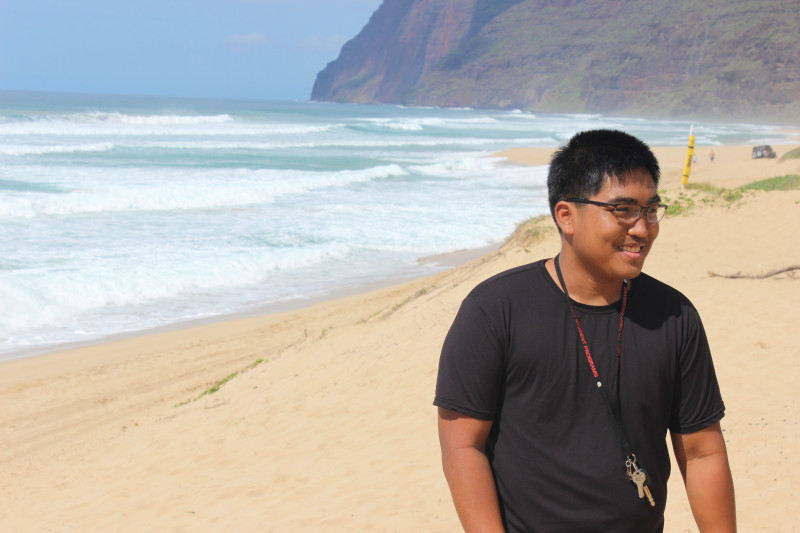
x,y
611,250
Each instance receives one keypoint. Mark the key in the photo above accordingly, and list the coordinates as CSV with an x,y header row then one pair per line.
x,y
639,477
649,496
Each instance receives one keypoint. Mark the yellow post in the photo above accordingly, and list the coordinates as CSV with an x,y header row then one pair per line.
x,y
688,166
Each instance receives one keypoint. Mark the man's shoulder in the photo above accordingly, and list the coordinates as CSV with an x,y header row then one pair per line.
x,y
512,276
509,282
655,289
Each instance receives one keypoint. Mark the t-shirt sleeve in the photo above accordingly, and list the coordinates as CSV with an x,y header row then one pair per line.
x,y
697,402
471,366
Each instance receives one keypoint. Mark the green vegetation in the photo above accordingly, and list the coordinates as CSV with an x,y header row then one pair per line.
x,y
373,315
395,307
215,387
791,154
533,230
699,59
416,295
211,390
680,205
789,182
712,192
705,193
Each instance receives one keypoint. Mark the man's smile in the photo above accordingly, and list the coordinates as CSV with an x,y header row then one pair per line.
x,y
634,248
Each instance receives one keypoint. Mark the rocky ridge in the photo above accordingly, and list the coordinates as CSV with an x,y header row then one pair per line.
x,y
685,58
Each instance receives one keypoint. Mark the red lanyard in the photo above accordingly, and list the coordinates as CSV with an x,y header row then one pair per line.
x,y
639,477
615,410
580,330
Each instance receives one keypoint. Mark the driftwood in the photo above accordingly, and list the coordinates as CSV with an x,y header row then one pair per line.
x,y
769,274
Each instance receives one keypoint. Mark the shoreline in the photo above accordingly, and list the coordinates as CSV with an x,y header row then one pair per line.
x,y
520,156
324,420
440,261
671,159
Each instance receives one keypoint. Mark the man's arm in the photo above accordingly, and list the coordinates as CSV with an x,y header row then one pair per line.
x,y
703,461
466,467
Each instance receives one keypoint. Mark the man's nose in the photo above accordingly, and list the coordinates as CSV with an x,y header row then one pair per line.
x,y
639,228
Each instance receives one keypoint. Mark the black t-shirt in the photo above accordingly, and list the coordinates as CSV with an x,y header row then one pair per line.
x,y
513,356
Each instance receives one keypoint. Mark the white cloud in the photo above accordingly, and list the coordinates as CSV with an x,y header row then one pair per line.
x,y
245,40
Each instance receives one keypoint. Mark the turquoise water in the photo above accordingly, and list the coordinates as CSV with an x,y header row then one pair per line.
x,y
119,214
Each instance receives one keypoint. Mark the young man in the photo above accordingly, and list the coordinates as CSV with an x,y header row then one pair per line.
x,y
559,380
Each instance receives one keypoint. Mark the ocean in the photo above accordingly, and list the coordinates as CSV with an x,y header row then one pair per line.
x,y
123,214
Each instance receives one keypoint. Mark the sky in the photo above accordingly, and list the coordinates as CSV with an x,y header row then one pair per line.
x,y
264,49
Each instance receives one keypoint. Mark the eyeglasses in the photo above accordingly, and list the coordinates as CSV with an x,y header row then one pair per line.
x,y
628,213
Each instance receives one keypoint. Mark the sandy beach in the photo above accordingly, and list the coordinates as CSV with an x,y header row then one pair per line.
x,y
325,422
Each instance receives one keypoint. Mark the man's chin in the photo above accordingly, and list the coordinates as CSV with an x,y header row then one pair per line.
x,y
632,270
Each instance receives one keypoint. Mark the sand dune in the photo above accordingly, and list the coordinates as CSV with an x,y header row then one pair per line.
x,y
328,423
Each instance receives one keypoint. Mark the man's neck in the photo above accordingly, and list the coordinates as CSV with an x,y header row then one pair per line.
x,y
582,286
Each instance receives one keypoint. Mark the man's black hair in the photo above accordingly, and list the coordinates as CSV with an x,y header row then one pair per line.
x,y
579,168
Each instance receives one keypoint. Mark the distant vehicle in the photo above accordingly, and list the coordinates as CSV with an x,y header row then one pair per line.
x,y
764,150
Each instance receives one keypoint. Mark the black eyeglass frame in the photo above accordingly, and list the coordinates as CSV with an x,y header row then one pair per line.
x,y
614,207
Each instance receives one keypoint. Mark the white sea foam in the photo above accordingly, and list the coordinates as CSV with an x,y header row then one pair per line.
x,y
175,190
149,119
419,123
339,142
117,124
27,149
124,218
31,302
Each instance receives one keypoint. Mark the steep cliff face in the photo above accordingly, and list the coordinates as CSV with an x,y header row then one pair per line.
x,y
713,58
404,41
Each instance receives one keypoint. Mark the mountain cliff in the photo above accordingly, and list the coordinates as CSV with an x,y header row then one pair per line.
x,y
683,58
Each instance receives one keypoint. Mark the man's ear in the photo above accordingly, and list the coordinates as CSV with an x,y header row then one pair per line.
x,y
564,216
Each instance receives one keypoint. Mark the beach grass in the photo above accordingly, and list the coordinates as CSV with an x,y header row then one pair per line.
x,y
216,386
532,231
791,154
789,182
706,193
698,193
